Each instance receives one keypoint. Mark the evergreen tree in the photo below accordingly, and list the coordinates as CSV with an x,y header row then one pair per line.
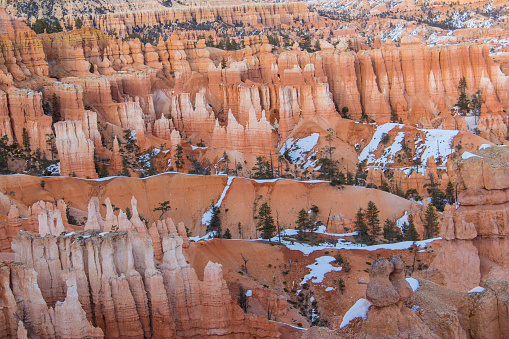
x,y
163,208
179,158
462,86
449,193
341,285
265,222
390,232
344,112
409,231
477,102
46,108
227,234
26,139
239,226
215,222
430,222
361,227
302,220
56,28
463,102
78,23
261,170
55,108
372,220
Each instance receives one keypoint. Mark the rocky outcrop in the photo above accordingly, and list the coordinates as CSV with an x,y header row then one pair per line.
x,y
476,233
26,314
75,151
255,15
255,138
27,118
387,291
123,293
21,51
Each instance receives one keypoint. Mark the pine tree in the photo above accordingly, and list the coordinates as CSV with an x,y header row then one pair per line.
x,y
341,285
430,222
163,208
78,23
55,108
265,221
26,139
215,222
361,227
449,193
372,220
390,233
227,234
409,231
302,222
56,27
179,159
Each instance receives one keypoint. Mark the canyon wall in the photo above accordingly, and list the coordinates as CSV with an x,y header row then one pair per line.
x,y
476,233
123,292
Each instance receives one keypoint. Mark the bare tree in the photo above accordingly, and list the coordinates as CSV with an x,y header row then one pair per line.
x,y
245,262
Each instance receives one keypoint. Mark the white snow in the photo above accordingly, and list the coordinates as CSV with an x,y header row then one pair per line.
x,y
133,134
358,310
197,147
249,293
299,149
414,283
402,220
483,146
208,236
471,124
437,143
54,169
370,148
477,289
328,289
319,268
414,308
307,249
207,216
468,155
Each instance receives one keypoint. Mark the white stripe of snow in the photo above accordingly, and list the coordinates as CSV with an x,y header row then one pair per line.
x,y
358,310
207,216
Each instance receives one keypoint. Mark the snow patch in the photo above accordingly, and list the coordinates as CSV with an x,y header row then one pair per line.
x,y
414,283
207,216
358,310
477,289
319,268
249,293
468,155
54,169
402,220
298,149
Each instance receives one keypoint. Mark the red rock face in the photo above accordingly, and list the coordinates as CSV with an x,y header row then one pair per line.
x,y
26,114
75,151
147,301
478,228
257,15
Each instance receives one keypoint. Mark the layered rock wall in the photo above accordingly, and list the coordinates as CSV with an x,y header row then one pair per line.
x,y
126,295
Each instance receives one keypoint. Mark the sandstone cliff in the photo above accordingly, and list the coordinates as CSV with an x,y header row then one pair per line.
x,y
123,292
